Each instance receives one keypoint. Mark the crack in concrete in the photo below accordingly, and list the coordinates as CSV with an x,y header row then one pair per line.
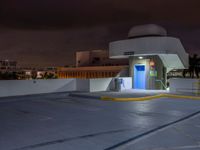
x,y
124,144
70,139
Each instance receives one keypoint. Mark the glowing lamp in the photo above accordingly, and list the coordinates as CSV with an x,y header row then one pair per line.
x,y
140,57
152,63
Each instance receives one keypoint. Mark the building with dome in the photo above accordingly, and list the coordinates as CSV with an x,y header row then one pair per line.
x,y
152,54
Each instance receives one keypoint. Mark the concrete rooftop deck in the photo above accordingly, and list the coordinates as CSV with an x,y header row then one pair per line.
x,y
60,122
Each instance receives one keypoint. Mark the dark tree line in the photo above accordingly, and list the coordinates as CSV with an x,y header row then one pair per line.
x,y
194,67
21,75
8,76
50,75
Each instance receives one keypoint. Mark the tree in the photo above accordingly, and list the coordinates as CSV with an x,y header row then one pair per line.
x,y
8,75
49,75
34,74
194,69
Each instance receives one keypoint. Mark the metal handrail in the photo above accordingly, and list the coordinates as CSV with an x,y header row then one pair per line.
x,y
162,83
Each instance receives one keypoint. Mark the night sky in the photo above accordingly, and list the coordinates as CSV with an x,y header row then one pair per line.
x,y
48,32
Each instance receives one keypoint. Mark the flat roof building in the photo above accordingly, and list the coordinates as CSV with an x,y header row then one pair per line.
x,y
95,64
97,58
151,55
8,65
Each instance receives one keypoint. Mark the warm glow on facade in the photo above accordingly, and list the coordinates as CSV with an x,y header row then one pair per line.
x,y
91,72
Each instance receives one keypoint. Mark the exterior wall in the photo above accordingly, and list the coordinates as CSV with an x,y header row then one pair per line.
x,y
82,58
28,87
123,73
182,85
108,84
100,84
162,74
83,85
97,58
127,83
169,49
92,72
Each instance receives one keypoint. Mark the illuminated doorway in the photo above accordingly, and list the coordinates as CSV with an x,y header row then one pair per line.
x,y
139,76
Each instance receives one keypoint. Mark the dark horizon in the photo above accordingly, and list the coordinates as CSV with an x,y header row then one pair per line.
x,y
47,32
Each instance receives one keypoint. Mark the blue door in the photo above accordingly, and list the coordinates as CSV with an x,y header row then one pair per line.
x,y
139,76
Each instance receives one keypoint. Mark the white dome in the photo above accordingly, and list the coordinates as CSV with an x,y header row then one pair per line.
x,y
147,30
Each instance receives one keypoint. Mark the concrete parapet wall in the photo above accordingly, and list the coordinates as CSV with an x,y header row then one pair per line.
x,y
100,84
182,85
28,87
108,84
83,85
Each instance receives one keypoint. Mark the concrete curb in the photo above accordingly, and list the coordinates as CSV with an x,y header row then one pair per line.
x,y
127,99
147,98
84,96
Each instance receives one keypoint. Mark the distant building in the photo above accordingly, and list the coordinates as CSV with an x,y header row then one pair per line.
x,y
10,71
95,64
97,58
93,72
8,65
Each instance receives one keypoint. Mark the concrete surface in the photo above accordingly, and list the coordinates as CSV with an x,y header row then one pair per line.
x,y
124,94
60,122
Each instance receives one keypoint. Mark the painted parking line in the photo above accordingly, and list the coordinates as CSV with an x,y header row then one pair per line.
x,y
147,98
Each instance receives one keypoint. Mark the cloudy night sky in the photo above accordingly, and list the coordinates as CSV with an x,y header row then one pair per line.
x,y
48,32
